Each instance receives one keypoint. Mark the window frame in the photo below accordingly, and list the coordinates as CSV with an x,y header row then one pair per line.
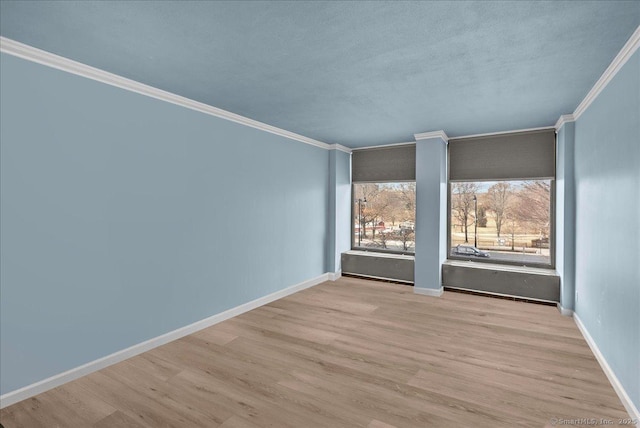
x,y
552,232
354,247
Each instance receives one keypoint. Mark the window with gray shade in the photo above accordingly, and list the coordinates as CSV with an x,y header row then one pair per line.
x,y
501,198
385,164
384,192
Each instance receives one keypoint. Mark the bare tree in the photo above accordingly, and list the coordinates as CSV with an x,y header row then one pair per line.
x,y
462,203
498,199
534,201
379,208
482,216
379,205
407,238
367,192
512,228
408,195
384,237
394,211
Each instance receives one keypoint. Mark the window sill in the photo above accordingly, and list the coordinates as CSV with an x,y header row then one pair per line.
x,y
501,267
373,253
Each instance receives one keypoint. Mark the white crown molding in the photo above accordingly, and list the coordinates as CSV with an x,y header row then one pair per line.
x,y
340,147
381,146
433,134
75,373
615,382
515,131
565,118
618,62
30,53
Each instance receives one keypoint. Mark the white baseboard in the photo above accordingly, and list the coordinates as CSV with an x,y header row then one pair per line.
x,y
617,386
75,373
334,276
564,311
433,292
394,280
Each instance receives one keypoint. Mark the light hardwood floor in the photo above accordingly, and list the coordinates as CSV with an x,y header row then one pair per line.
x,y
350,353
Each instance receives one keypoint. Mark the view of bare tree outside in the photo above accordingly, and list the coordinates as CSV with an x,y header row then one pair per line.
x,y
384,216
502,221
462,202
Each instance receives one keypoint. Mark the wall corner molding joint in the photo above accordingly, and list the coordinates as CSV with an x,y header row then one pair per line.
x,y
564,311
627,51
433,134
340,147
565,118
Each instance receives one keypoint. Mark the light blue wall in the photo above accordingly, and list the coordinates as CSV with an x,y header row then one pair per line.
x,y
566,214
607,170
339,226
124,217
431,212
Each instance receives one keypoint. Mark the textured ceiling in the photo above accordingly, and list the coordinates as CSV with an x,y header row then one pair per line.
x,y
353,73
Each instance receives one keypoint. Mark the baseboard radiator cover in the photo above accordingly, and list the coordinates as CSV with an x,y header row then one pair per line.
x,y
526,283
391,267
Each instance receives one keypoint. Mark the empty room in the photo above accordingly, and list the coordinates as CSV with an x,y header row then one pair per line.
x,y
383,214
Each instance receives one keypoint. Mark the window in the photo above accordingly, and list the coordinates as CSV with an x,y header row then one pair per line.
x,y
501,198
384,216
501,221
384,196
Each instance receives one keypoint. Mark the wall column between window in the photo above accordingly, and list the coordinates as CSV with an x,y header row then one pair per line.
x,y
431,212
566,216
339,219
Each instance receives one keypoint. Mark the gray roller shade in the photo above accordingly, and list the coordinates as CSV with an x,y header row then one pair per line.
x,y
396,163
523,155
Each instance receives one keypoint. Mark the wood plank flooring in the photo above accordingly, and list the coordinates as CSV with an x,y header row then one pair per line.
x,y
350,353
